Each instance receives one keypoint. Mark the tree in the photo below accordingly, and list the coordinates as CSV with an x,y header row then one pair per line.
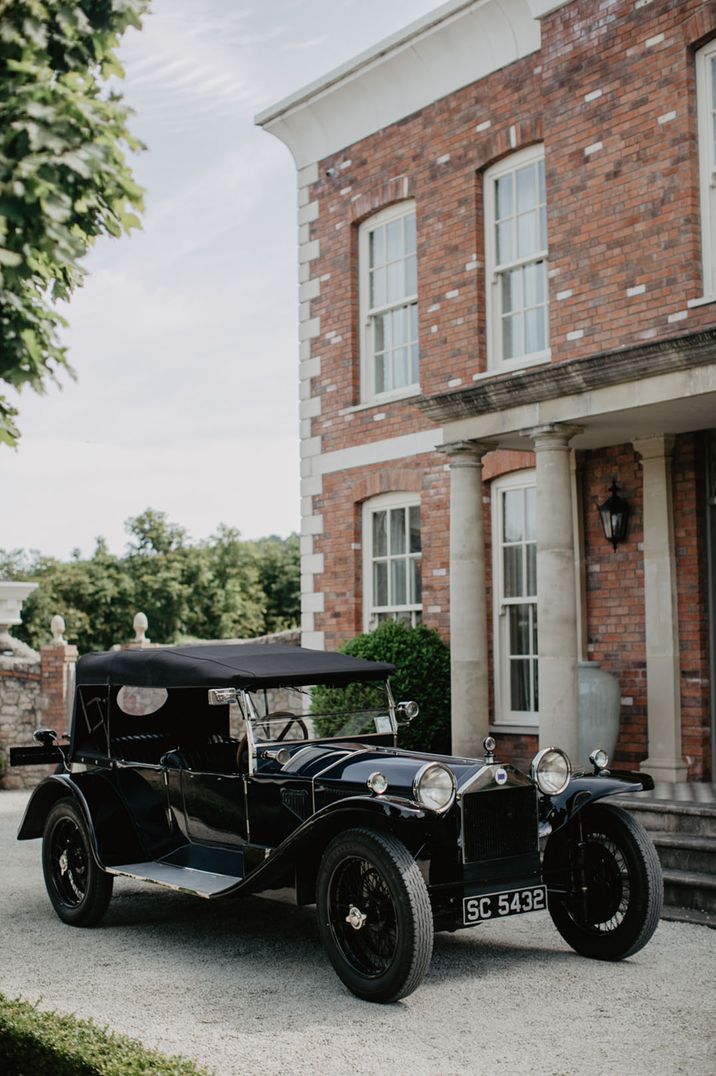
x,y
64,178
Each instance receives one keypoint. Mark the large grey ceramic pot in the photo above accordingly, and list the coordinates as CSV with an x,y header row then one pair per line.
x,y
599,705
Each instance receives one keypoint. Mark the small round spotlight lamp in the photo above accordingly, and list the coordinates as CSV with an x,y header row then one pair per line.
x,y
378,783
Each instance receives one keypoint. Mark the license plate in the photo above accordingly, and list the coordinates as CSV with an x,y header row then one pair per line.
x,y
499,905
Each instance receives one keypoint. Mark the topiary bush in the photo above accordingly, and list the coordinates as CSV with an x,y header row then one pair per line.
x,y
422,673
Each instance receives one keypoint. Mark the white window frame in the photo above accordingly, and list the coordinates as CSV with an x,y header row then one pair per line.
x,y
383,502
495,360
505,718
707,165
367,356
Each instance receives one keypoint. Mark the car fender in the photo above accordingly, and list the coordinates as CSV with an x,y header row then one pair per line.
x,y
111,833
302,850
588,788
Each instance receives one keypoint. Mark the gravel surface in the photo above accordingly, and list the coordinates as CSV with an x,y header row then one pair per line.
x,y
243,987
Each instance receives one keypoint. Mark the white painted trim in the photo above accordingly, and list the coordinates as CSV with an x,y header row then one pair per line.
x,y
707,166
381,502
504,717
495,361
411,444
456,45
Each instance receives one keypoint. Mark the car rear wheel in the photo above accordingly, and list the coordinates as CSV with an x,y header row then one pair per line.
x,y
611,881
79,890
374,915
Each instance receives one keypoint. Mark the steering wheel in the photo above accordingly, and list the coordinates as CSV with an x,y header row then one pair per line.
x,y
291,720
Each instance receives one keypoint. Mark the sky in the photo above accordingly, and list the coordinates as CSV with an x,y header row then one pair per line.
x,y
184,336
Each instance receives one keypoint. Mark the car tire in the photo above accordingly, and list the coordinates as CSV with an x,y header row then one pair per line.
x,y
622,874
79,890
374,915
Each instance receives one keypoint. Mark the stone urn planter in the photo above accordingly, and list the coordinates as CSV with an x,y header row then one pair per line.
x,y
599,698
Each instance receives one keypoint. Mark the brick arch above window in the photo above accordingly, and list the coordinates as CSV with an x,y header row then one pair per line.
x,y
505,461
507,140
700,27
397,189
396,480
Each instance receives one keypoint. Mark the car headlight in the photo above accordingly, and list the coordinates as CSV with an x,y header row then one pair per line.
x,y
551,770
434,786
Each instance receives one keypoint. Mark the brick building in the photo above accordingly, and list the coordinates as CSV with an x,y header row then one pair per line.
x,y
507,250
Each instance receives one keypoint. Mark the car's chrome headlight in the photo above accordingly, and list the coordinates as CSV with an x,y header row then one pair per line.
x,y
551,770
434,786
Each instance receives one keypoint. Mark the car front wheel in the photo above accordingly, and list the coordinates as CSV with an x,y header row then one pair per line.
x,y
607,888
78,889
374,915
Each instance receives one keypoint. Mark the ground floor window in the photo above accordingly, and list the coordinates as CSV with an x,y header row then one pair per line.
x,y
514,552
391,560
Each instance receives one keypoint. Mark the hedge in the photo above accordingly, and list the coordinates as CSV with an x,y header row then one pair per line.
x,y
422,673
35,1043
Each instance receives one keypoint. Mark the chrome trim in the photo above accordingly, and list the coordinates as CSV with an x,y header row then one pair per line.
x,y
416,784
373,777
343,754
470,781
534,770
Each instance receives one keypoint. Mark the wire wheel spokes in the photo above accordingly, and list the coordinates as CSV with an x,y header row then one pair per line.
x,y
69,862
362,916
608,883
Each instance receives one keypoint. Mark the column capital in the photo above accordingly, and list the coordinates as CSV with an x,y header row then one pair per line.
x,y
657,447
553,435
466,453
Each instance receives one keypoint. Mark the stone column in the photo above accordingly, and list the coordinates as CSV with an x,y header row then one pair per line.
x,y
665,761
468,607
556,590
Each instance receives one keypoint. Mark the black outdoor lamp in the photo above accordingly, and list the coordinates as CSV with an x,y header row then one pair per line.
x,y
614,514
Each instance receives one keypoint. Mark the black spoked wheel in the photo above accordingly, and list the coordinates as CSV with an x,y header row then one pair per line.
x,y
374,915
612,890
78,889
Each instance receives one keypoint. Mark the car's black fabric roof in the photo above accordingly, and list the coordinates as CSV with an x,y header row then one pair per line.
x,y
225,665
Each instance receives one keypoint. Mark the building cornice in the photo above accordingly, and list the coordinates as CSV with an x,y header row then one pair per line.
x,y
457,44
556,380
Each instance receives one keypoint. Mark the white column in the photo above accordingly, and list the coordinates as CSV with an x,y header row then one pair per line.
x,y
665,761
556,590
468,606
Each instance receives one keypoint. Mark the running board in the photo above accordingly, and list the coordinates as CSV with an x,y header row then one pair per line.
x,y
183,879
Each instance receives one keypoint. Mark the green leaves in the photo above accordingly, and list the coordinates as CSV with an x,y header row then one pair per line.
x,y
64,179
221,588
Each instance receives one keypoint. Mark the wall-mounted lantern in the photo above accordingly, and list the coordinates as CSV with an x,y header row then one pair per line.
x,y
614,513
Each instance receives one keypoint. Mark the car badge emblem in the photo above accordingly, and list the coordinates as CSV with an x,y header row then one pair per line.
x,y
500,776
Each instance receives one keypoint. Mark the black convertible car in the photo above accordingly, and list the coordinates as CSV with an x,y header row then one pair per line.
x,y
221,770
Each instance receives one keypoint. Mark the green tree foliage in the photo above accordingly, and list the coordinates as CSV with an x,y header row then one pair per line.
x,y
220,588
422,673
64,177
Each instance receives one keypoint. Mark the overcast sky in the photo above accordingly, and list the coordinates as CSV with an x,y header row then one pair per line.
x,y
184,337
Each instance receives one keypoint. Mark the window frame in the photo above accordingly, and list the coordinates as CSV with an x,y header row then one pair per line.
x,y
504,718
705,106
383,502
366,313
493,274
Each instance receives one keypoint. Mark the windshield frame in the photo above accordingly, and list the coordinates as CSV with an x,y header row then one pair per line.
x,y
253,718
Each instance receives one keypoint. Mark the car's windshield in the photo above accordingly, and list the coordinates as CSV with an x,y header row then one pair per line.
x,y
319,712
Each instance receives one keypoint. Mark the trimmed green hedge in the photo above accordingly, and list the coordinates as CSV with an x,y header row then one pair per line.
x,y
422,673
35,1043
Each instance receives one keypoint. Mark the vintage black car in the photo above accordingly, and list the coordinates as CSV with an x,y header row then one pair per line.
x,y
212,770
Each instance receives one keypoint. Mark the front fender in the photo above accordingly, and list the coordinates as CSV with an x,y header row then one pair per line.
x,y
588,788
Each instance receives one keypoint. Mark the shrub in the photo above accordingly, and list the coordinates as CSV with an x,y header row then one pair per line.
x,y
422,673
52,1044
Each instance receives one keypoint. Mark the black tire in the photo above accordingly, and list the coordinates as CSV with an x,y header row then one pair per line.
x,y
624,884
78,888
384,956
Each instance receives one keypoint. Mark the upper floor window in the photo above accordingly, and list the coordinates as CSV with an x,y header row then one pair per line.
x,y
706,98
516,263
388,302
391,560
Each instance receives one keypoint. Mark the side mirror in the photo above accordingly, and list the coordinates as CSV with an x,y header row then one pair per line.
x,y
47,737
405,712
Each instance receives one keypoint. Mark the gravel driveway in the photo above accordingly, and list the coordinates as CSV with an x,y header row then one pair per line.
x,y
243,987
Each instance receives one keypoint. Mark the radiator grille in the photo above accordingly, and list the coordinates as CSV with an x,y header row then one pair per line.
x,y
499,823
